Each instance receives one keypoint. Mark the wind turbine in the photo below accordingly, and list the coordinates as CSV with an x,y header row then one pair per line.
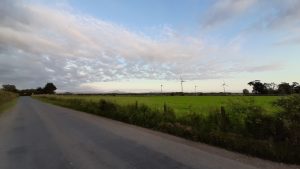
x,y
196,89
161,87
224,86
181,82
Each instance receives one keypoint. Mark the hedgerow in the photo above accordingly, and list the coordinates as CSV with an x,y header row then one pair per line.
x,y
240,125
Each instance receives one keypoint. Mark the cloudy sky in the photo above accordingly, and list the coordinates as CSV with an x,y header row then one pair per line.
x,y
137,45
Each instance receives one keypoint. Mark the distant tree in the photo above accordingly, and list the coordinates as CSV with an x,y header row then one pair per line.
x,y
258,87
246,92
295,84
27,92
49,88
10,88
285,88
273,86
39,90
270,88
295,87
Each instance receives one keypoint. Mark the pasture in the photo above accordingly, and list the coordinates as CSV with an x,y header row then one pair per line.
x,y
180,104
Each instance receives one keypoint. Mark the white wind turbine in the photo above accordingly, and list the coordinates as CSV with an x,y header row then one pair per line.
x,y
224,86
161,88
181,82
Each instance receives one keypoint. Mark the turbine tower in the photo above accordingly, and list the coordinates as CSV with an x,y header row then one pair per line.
x,y
161,88
181,82
224,86
196,89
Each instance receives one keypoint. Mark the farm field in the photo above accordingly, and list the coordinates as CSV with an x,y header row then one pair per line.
x,y
180,104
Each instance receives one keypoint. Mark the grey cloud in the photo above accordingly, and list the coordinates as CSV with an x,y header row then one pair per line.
x,y
274,14
288,41
225,10
285,14
260,68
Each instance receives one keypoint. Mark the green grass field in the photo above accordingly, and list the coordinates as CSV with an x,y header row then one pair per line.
x,y
181,104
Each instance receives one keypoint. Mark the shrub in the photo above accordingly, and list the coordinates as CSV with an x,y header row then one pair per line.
x,y
168,114
290,117
259,125
245,114
107,107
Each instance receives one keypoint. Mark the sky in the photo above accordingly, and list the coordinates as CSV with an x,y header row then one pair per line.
x,y
139,45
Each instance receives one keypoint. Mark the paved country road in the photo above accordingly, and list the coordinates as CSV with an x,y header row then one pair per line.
x,y
36,135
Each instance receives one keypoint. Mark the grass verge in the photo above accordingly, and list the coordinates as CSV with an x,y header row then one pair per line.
x,y
7,100
7,105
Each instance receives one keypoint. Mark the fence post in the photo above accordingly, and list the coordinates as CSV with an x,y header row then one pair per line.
x,y
136,104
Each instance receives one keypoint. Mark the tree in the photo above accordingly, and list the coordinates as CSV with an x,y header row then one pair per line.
x,y
272,88
295,87
285,88
39,90
246,92
26,92
258,87
295,84
49,88
10,88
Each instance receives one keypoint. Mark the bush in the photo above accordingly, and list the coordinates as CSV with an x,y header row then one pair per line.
x,y
289,116
259,125
168,114
107,107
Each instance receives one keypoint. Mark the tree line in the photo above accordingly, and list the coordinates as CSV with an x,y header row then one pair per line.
x,y
49,88
258,87
283,88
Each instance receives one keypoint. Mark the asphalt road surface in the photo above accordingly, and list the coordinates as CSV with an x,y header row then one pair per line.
x,y
36,135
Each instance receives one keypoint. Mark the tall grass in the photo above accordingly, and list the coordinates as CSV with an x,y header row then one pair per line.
x,y
6,99
241,125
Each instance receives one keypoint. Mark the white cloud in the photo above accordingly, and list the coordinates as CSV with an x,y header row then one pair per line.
x,y
40,44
